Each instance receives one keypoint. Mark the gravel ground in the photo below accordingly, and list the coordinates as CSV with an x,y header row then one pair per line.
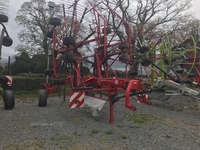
x,y
170,125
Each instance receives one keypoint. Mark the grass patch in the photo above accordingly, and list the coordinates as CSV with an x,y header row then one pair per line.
x,y
29,145
62,138
141,118
95,131
124,137
119,125
109,132
76,134
25,94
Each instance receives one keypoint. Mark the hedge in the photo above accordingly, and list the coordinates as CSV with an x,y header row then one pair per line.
x,y
27,83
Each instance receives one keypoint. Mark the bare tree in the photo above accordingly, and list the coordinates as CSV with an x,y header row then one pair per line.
x,y
33,16
147,16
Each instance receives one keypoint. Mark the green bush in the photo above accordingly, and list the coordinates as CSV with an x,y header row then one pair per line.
x,y
32,84
27,83
33,75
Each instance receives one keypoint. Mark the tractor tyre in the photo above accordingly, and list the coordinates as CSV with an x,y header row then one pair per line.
x,y
9,100
55,21
7,41
3,18
42,96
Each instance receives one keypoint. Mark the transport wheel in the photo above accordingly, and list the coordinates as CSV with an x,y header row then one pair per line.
x,y
9,100
7,41
55,21
3,18
42,95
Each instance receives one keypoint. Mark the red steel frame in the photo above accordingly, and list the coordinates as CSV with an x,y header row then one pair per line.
x,y
99,82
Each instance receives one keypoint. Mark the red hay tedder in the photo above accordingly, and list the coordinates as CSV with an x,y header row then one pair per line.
x,y
95,37
68,43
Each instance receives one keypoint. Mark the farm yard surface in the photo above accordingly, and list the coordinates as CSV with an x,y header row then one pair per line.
x,y
165,125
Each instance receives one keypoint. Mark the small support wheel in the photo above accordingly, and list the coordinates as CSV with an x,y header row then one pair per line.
x,y
146,62
7,41
124,58
8,98
42,96
3,18
68,40
144,49
49,34
55,21
123,46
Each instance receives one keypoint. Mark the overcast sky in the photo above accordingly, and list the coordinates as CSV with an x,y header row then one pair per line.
x,y
13,28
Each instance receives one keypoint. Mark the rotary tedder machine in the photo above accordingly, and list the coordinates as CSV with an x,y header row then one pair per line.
x,y
88,41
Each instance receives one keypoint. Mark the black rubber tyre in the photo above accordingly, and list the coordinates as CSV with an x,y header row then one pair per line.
x,y
9,100
123,46
55,21
146,62
42,96
70,57
49,34
166,62
69,40
3,18
7,41
144,49
124,58
109,30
